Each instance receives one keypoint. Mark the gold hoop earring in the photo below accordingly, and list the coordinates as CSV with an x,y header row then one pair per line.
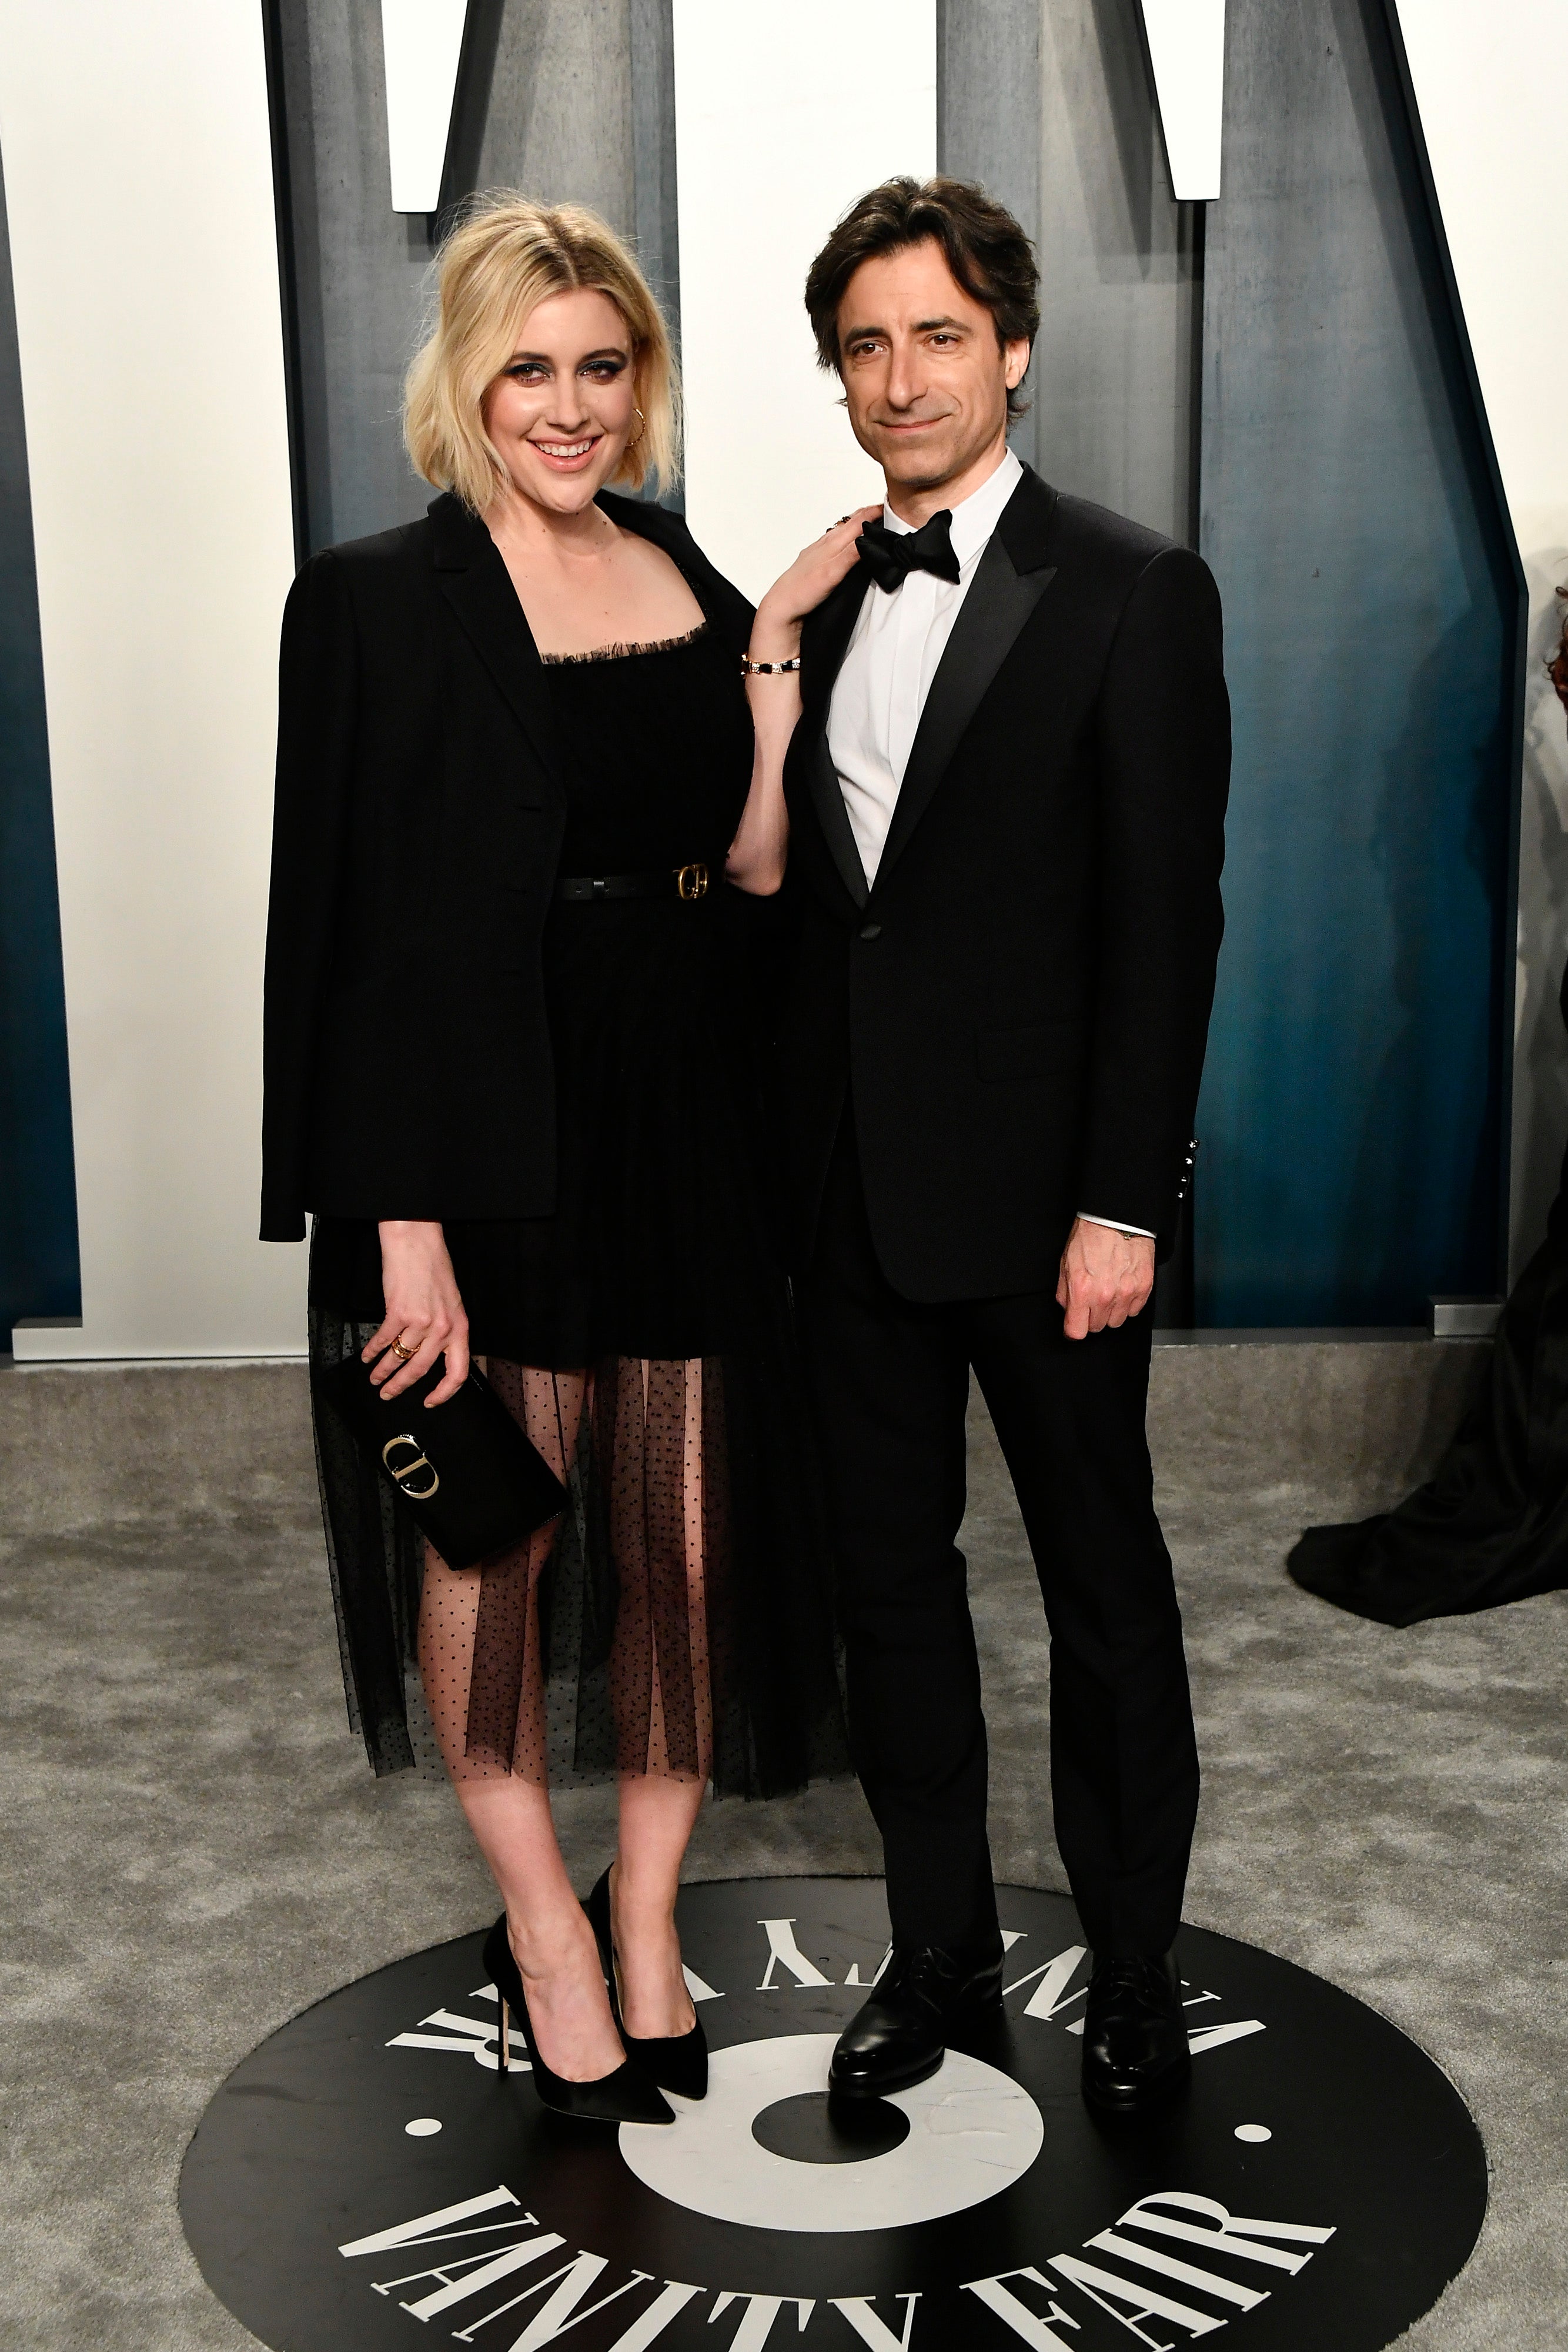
x,y
642,427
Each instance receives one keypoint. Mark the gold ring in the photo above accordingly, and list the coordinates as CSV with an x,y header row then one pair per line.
x,y
404,1355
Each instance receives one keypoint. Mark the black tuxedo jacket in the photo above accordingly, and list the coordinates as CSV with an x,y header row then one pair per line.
x,y
419,817
1020,1006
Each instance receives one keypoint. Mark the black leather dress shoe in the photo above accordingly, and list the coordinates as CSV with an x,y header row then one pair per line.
x,y
1134,2036
900,2035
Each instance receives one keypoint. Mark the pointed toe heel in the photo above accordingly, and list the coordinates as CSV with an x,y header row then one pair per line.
x,y
676,2061
626,2097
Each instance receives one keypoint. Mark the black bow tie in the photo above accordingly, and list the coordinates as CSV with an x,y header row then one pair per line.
x,y
890,556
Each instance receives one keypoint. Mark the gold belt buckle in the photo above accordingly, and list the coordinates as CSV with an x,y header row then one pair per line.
x,y
691,881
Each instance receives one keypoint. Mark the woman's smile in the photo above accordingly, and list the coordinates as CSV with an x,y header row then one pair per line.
x,y
567,457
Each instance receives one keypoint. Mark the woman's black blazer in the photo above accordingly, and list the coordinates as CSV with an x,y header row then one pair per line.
x,y
418,825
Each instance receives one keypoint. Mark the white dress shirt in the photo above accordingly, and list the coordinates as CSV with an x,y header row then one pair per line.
x,y
899,637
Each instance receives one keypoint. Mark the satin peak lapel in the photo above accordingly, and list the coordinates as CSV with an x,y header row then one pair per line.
x,y
826,794
999,602
824,650
486,602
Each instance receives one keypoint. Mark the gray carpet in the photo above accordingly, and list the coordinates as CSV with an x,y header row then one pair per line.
x,y
195,1851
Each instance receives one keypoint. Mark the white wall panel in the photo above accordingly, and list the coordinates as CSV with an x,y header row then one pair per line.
x,y
1186,52
1489,83
138,175
783,119
422,41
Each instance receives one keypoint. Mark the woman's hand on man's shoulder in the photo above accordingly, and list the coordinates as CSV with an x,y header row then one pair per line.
x,y
808,582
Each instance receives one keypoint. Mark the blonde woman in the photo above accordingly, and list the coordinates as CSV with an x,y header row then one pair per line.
x,y
526,833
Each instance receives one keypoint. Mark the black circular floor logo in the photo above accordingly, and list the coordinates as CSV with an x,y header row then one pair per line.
x,y
367,2179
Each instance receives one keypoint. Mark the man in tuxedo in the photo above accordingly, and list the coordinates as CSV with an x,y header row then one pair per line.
x,y
1006,796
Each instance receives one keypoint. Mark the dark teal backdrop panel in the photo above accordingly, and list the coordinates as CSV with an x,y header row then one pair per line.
x,y
1351,1120
39,1272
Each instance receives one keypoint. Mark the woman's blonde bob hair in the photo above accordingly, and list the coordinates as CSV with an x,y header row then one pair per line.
x,y
505,256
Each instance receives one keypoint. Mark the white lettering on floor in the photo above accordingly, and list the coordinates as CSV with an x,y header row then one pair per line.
x,y
576,2278
1128,2301
463,2276
783,1951
1055,1976
1237,2236
469,2037
1149,2257
761,2311
667,2305
405,2233
561,2313
1179,2216
998,2296
460,2275
1108,2291
873,2330
1215,2037
1050,1996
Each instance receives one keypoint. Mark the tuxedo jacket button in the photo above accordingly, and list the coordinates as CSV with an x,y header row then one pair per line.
x,y
871,930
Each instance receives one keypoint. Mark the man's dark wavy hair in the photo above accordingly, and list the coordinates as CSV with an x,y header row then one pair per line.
x,y
985,250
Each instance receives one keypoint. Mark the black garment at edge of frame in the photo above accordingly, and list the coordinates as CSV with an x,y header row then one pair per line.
x,y
1491,1525
891,1381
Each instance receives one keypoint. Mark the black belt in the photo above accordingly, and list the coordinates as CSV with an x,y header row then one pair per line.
x,y
689,882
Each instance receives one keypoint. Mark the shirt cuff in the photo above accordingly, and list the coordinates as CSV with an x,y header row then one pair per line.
x,y
1113,1225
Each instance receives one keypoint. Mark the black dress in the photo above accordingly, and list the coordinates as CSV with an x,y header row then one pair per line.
x,y
683,1611
1492,1524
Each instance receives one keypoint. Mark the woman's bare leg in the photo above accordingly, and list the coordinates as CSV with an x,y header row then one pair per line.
x,y
547,1926
658,1813
509,1814
659,1808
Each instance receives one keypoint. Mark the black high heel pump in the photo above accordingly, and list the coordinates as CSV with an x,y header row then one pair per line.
x,y
676,2061
626,2097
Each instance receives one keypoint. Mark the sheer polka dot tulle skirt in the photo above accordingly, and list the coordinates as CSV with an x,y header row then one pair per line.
x,y
675,1619
633,1682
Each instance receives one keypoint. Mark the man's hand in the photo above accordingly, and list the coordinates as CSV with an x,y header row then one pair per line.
x,y
1106,1277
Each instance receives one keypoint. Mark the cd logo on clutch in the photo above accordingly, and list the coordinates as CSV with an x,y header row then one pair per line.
x,y
414,1494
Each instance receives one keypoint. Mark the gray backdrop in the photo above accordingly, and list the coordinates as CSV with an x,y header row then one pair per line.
x,y
560,98
1049,105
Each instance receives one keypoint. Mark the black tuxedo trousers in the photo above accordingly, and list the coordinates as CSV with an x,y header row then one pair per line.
x,y
891,1378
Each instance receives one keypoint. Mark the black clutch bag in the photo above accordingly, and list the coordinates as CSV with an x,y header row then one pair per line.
x,y
468,1472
